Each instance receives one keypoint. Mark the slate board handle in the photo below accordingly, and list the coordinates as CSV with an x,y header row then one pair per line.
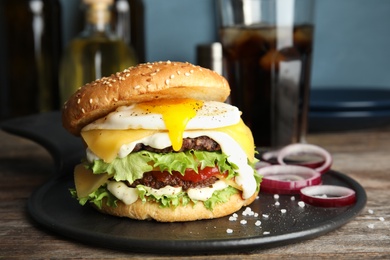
x,y
46,129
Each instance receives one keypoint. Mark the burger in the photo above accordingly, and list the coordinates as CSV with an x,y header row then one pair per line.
x,y
161,144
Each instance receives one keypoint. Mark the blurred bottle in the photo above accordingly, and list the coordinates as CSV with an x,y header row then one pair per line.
x,y
97,52
121,20
29,57
128,23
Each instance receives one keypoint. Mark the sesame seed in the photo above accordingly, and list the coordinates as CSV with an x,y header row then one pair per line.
x,y
172,76
78,101
178,72
90,100
191,71
150,66
167,82
137,87
82,110
168,62
382,219
187,74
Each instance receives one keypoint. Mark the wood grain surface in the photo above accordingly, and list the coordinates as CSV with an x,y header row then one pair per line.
x,y
363,155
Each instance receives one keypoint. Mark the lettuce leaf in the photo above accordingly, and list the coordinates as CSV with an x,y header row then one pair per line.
x,y
133,166
167,200
97,197
220,196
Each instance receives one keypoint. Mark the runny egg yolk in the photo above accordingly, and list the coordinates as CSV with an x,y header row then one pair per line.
x,y
176,114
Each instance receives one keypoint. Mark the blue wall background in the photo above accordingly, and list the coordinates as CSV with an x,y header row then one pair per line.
x,y
352,39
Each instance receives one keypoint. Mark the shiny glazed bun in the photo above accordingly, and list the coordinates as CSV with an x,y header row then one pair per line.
x,y
142,83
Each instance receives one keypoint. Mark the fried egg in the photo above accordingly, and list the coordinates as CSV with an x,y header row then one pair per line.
x,y
172,115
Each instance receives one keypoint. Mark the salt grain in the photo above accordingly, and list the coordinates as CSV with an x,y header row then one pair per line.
x,y
232,218
266,233
258,223
370,211
372,226
265,216
292,198
382,219
243,222
277,203
276,196
301,204
229,230
283,211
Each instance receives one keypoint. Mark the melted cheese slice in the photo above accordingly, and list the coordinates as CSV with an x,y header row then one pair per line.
x,y
86,181
106,144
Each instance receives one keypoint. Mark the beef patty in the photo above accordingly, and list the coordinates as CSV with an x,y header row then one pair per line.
x,y
201,143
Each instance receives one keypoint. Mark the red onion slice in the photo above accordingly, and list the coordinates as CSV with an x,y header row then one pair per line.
x,y
328,196
261,164
301,149
287,179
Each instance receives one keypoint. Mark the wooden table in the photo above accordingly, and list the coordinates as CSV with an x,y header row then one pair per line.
x,y
363,155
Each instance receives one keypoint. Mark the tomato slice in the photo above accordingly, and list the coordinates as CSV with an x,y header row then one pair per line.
x,y
189,175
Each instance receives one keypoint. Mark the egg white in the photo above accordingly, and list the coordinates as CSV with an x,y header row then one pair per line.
x,y
212,115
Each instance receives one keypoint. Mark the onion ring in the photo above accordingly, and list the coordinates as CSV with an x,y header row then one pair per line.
x,y
328,196
287,179
297,149
261,164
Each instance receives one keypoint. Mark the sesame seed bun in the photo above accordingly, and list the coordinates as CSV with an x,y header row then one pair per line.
x,y
142,83
150,210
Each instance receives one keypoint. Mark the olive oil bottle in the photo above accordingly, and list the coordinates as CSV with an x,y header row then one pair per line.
x,y
97,52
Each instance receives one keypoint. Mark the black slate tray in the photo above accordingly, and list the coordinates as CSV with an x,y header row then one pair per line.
x,y
53,208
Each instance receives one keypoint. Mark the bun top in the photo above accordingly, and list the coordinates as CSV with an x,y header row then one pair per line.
x,y
145,82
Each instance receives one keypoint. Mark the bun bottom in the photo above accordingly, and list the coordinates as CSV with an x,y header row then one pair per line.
x,y
152,211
